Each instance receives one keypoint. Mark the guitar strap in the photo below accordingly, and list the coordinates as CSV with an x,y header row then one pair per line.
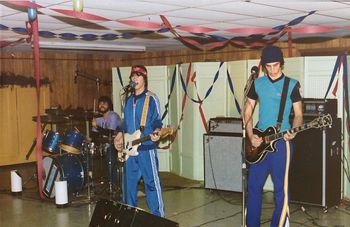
x,y
283,103
145,111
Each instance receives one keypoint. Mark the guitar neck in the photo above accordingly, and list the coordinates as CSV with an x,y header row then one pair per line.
x,y
142,139
279,135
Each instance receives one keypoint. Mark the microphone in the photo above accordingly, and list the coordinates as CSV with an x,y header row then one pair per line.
x,y
254,72
75,76
130,86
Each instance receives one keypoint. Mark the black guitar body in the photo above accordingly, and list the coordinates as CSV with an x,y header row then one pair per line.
x,y
270,136
257,154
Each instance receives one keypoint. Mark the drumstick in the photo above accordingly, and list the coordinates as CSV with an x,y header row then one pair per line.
x,y
94,109
76,129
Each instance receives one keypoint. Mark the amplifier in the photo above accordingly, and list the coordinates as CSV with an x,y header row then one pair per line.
x,y
315,107
225,125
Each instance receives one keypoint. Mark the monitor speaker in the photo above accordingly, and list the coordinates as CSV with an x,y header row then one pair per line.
x,y
223,161
112,214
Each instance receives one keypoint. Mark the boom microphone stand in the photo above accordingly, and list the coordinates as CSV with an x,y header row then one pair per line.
x,y
254,73
127,90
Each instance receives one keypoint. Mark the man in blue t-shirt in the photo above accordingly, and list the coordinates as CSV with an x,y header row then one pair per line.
x,y
108,123
145,164
267,90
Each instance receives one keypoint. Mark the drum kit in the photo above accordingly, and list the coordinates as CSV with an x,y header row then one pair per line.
x,y
70,156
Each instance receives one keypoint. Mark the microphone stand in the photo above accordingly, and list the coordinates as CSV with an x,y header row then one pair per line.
x,y
122,162
244,166
89,77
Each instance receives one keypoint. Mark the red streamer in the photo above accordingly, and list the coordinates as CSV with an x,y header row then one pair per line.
x,y
200,107
25,3
80,15
39,153
249,31
313,29
196,29
141,24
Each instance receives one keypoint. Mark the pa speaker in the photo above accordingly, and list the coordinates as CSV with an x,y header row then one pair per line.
x,y
223,161
315,172
113,214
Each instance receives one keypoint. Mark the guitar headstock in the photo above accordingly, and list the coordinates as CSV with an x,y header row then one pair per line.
x,y
322,121
164,132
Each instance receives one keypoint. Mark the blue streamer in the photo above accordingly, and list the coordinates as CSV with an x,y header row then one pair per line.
x,y
20,30
209,89
166,107
3,27
68,35
336,66
230,83
47,34
109,36
128,35
120,77
89,36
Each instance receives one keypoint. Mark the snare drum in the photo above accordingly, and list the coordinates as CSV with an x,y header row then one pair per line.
x,y
67,167
50,142
72,141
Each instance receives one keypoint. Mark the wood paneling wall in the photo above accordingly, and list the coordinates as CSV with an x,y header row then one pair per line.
x,y
60,67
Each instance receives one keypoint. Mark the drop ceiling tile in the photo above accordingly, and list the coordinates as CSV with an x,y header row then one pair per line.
x,y
248,9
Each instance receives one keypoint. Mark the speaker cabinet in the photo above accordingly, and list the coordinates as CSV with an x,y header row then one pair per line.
x,y
112,214
315,173
223,161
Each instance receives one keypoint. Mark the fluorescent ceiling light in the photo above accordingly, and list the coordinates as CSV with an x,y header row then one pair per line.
x,y
89,46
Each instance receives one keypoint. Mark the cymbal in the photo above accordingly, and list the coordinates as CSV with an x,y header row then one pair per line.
x,y
105,131
102,136
51,119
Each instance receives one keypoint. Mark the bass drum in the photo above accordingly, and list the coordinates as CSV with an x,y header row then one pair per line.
x,y
64,167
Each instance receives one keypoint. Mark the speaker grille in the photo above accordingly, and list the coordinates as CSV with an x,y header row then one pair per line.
x,y
223,162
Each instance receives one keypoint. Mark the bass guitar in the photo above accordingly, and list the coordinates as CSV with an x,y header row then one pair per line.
x,y
271,135
133,141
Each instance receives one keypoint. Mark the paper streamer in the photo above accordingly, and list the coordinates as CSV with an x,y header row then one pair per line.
x,y
61,197
16,182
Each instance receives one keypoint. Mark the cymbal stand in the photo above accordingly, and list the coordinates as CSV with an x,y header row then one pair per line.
x,y
121,189
34,143
88,148
110,163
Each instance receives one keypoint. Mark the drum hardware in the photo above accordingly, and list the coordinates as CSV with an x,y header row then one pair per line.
x,y
104,138
34,143
89,149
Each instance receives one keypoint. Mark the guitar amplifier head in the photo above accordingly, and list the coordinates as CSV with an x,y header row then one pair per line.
x,y
225,125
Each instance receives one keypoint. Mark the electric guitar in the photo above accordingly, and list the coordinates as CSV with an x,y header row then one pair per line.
x,y
270,137
133,141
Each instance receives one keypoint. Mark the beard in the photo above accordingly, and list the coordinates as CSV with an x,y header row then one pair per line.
x,y
103,110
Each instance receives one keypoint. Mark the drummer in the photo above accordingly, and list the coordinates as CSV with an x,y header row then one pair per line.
x,y
111,121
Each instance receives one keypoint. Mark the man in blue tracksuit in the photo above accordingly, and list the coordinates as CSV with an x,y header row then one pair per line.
x,y
268,91
145,164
